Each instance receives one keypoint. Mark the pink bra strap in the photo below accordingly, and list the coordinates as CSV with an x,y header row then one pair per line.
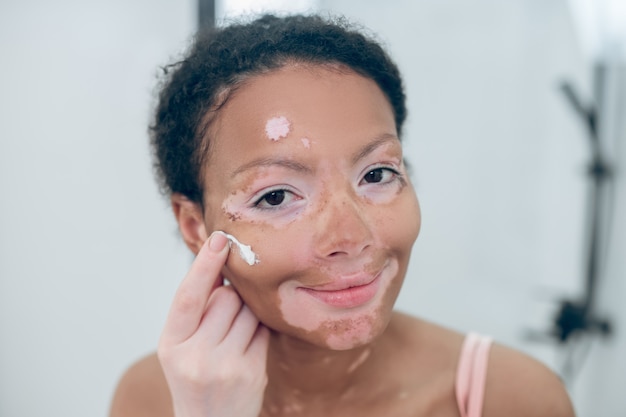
x,y
471,375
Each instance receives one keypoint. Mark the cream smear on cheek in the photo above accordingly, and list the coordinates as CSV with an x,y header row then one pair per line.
x,y
277,128
245,251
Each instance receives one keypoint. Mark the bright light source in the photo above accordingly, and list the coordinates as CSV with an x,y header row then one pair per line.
x,y
602,27
233,8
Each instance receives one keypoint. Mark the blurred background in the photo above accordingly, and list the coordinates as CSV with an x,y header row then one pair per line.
x,y
516,134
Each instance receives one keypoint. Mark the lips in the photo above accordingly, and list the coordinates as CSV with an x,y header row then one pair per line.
x,y
346,293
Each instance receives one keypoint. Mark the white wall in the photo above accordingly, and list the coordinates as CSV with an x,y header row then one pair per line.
x,y
89,255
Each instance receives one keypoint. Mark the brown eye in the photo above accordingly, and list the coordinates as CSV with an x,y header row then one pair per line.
x,y
274,198
375,175
381,176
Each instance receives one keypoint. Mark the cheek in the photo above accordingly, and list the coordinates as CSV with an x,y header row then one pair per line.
x,y
257,288
230,210
399,226
281,254
276,261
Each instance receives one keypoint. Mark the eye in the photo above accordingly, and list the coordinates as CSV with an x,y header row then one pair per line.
x,y
274,199
380,175
375,175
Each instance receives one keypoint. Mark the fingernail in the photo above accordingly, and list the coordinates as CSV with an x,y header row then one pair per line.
x,y
217,242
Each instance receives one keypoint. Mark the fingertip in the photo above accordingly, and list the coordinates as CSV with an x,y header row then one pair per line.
x,y
217,242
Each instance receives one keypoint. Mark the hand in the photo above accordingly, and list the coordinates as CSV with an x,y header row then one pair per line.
x,y
213,349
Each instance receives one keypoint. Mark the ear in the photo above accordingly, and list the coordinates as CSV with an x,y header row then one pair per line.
x,y
190,221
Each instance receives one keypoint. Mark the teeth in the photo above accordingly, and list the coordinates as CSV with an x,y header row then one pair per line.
x,y
245,251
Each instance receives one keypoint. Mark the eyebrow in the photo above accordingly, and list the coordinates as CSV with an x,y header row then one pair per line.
x,y
372,146
298,167
266,162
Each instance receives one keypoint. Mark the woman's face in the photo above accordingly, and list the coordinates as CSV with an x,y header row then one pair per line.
x,y
306,167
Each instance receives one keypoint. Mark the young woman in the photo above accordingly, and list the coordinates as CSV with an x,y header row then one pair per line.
x,y
285,133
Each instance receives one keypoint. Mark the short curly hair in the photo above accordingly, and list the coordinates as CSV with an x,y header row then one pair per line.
x,y
221,58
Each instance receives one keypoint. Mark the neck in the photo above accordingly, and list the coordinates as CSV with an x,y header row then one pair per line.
x,y
301,373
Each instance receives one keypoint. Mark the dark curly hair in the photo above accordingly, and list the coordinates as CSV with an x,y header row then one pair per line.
x,y
221,58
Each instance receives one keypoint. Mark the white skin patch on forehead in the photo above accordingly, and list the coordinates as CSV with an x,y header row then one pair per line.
x,y
277,128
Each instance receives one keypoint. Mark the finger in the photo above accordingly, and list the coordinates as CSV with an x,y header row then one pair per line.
x,y
193,293
242,330
260,342
222,310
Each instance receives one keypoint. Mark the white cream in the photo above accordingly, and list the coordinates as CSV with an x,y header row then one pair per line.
x,y
245,251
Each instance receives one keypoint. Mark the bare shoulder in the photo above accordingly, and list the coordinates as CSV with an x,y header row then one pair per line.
x,y
430,340
518,385
142,391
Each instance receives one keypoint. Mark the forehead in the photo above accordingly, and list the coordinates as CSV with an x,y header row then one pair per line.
x,y
314,103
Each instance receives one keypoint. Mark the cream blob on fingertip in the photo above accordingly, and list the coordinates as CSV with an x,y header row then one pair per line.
x,y
245,251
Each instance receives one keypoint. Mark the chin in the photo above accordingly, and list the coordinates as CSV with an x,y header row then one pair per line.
x,y
353,332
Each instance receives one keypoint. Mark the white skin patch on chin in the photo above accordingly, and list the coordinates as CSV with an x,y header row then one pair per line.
x,y
277,128
346,334
306,142
341,330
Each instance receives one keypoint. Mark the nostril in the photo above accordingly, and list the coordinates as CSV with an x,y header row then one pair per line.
x,y
342,231
348,249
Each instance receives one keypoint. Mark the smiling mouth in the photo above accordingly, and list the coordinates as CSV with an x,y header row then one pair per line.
x,y
347,297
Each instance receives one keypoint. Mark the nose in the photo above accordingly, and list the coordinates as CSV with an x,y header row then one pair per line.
x,y
342,229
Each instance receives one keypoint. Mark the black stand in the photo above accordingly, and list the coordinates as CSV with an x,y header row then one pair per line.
x,y
206,14
578,316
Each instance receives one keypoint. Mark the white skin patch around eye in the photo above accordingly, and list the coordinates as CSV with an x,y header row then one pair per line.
x,y
245,251
277,127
